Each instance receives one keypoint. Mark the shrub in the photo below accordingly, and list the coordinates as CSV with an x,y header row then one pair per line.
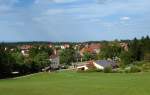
x,y
108,70
118,70
133,69
94,70
146,67
126,58
127,69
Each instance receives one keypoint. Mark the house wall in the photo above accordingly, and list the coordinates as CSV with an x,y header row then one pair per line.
x,y
98,66
55,63
80,67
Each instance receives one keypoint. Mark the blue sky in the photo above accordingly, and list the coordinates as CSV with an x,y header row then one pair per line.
x,y
73,20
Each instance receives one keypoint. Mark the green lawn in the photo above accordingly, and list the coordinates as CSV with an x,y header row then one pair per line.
x,y
71,83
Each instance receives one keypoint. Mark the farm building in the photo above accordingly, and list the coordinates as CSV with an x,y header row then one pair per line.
x,y
99,64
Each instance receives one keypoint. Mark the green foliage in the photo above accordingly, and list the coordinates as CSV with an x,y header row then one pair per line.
x,y
126,57
135,49
33,52
147,56
140,49
146,66
41,60
109,51
88,56
133,69
19,61
15,61
108,69
46,49
25,69
18,57
67,56
39,49
6,62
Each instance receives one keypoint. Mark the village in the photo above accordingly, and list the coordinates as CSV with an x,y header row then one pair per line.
x,y
80,49
74,47
105,56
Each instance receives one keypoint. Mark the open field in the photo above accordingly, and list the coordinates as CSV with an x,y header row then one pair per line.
x,y
71,83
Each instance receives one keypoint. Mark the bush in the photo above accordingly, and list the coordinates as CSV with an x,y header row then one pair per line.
x,y
146,67
126,58
118,70
133,69
94,70
127,69
108,70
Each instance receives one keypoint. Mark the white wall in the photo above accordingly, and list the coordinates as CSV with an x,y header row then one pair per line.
x,y
98,66
85,67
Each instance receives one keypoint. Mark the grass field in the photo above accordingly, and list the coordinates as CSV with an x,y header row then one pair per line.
x,y
71,83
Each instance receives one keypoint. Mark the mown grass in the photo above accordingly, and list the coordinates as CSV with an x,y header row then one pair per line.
x,y
71,83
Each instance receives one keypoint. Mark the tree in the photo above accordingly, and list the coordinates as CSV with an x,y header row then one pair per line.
x,y
45,48
88,56
41,60
33,51
67,56
137,48
110,51
6,62
126,57
147,56
19,61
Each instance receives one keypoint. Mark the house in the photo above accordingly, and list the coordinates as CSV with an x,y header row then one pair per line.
x,y
65,46
99,64
76,47
6,48
92,48
82,67
50,45
85,65
102,64
25,49
55,62
78,57
54,58
124,46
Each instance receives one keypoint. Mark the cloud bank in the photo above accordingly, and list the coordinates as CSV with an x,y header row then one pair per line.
x,y
73,20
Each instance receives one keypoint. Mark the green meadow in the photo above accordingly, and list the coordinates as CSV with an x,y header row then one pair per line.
x,y
72,83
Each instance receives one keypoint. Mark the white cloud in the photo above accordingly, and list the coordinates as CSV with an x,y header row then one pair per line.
x,y
54,1
54,11
4,8
8,2
7,5
63,1
54,19
125,18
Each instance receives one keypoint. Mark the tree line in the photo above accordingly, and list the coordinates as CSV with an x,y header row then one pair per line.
x,y
14,61
11,61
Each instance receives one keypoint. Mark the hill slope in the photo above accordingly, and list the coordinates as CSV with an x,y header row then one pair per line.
x,y
71,83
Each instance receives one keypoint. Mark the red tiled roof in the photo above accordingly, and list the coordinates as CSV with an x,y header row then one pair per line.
x,y
91,48
26,47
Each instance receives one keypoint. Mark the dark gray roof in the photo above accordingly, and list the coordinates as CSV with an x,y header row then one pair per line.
x,y
106,63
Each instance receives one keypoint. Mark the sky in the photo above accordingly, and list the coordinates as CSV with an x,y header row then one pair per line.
x,y
73,20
